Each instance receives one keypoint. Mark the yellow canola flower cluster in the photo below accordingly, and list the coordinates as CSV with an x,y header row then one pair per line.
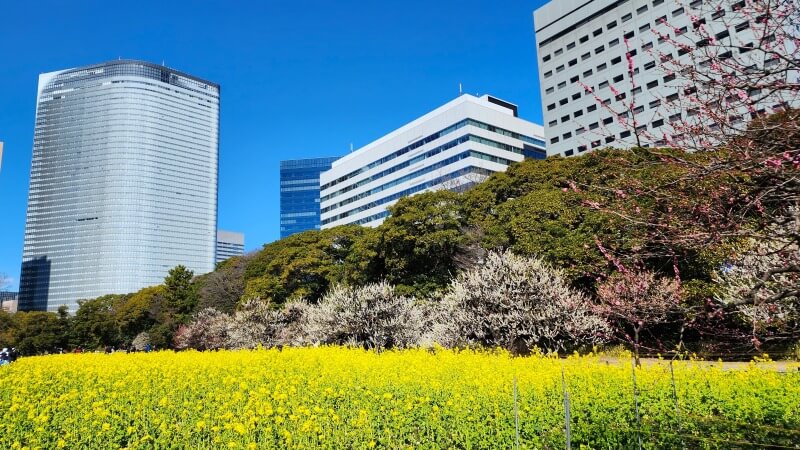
x,y
333,398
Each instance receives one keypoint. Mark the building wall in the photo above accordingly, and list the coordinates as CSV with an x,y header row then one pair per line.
x,y
123,181
452,147
229,244
582,42
300,194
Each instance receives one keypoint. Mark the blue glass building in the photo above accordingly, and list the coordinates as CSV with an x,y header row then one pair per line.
x,y
300,194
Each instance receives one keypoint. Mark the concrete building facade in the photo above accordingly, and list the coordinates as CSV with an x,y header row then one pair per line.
x,y
586,44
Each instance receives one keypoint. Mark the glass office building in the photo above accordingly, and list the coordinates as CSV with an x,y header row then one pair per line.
x,y
123,181
300,194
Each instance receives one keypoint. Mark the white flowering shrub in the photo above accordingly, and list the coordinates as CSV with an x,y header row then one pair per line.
x,y
371,316
516,303
141,341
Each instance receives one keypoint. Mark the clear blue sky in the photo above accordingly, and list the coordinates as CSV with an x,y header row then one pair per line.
x,y
299,78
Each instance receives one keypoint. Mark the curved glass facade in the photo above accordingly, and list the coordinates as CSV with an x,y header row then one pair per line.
x,y
123,182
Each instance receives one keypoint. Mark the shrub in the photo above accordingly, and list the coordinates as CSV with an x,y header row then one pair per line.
x,y
516,303
372,316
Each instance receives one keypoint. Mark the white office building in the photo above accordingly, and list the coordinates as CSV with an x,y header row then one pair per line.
x,y
583,43
453,147
229,244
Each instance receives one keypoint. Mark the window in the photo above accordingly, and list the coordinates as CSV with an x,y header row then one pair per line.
x,y
649,65
738,5
576,96
746,48
742,26
567,135
585,56
602,85
601,67
655,104
554,140
628,35
722,34
570,46
657,2
607,101
620,96
609,139
597,32
563,101
573,62
559,51
608,120
627,17
595,144
617,78
641,9
666,57
696,24
613,42
641,127
717,14
616,60
580,131
625,134
552,123
551,106
636,90
546,58
652,84
669,78
550,90
660,20
574,79
562,85
675,117
560,68
548,74
587,73
644,27
647,46
657,123
682,51
672,97
583,39
569,153
611,25
578,113
599,50
633,52
695,4
638,109
591,108
581,148
593,126
681,30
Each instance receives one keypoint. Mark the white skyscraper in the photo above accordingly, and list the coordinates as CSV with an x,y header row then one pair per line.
x,y
452,147
123,181
586,44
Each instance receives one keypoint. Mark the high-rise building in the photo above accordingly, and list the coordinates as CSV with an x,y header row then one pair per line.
x,y
586,44
300,194
453,147
123,181
229,244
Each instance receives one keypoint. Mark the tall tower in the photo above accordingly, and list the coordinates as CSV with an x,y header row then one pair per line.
x,y
123,181
300,194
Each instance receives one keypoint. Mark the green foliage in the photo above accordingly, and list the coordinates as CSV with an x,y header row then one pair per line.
x,y
303,265
179,293
94,324
38,332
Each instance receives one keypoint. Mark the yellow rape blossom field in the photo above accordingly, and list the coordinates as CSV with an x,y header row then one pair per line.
x,y
334,398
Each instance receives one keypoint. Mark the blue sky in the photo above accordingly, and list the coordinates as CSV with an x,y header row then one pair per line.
x,y
299,78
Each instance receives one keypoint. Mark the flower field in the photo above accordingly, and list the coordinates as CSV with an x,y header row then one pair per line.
x,y
345,398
